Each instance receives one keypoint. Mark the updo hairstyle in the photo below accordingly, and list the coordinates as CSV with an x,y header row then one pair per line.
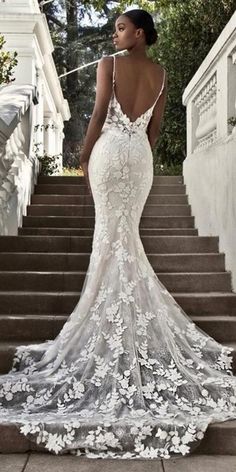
x,y
143,19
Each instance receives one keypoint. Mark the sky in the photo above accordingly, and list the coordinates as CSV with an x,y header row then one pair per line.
x,y
100,21
95,17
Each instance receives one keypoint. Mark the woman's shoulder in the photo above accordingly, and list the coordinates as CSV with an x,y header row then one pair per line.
x,y
125,58
158,66
105,64
158,72
161,71
106,61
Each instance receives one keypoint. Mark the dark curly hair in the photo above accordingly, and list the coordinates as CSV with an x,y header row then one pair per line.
x,y
143,19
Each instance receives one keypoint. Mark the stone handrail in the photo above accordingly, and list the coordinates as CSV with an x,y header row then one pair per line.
x,y
210,166
27,132
18,166
210,96
26,31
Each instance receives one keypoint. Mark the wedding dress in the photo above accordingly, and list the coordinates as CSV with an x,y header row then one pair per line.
x,y
129,375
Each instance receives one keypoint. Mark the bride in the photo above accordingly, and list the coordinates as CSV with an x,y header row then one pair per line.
x,y
129,375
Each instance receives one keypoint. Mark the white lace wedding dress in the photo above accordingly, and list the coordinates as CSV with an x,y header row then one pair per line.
x,y
129,375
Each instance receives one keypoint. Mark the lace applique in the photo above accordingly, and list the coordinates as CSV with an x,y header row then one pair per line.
x,y
129,375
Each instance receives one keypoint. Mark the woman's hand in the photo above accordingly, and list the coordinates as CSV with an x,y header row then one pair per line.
x,y
84,166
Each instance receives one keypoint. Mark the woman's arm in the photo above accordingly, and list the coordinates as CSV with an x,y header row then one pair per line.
x,y
103,95
154,126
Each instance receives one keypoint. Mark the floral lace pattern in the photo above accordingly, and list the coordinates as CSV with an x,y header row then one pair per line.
x,y
129,375
116,119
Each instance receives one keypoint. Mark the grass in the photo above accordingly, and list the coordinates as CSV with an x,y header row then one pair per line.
x,y
72,171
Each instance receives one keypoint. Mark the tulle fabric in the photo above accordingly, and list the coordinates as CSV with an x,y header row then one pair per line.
x,y
129,375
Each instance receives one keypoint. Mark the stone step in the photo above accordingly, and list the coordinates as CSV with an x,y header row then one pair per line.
x,y
42,327
64,189
25,302
11,441
196,262
30,328
85,221
90,231
152,244
51,261
220,327
52,199
220,439
209,303
64,281
80,180
7,350
88,210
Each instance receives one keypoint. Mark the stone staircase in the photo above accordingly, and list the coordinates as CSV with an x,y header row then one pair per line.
x,y
42,271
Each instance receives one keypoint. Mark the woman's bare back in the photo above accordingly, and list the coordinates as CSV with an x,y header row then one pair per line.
x,y
137,84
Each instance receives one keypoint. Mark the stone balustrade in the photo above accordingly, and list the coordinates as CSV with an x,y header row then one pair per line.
x,y
27,130
205,105
210,166
19,166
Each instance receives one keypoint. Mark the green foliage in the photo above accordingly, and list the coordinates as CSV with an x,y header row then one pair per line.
x,y
48,163
44,127
77,44
167,169
7,63
232,121
187,31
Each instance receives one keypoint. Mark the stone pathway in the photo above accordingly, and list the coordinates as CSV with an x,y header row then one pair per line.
x,y
40,462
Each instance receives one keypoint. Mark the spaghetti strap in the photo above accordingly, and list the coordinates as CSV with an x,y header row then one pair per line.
x,y
163,83
114,70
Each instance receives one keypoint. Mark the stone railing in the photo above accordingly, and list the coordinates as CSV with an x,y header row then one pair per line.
x,y
205,106
25,128
19,166
210,166
26,31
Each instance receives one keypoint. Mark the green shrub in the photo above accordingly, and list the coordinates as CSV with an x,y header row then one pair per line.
x,y
232,121
7,63
48,163
167,169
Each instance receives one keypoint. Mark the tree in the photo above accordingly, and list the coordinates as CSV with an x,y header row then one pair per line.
x,y
7,63
187,31
76,44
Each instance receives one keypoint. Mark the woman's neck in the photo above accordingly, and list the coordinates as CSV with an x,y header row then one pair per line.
x,y
138,52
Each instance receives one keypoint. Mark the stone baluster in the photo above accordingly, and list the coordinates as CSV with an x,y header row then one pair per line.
x,y
205,103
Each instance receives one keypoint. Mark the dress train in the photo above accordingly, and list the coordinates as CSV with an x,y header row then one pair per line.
x,y
129,375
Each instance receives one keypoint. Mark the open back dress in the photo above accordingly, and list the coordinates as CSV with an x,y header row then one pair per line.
x,y
130,375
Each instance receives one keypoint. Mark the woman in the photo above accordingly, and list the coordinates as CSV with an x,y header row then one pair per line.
x,y
129,375
148,81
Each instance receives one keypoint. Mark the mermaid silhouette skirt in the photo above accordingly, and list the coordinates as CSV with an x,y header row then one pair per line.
x,y
129,375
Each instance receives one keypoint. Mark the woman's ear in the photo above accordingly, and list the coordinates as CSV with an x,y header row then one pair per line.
x,y
139,32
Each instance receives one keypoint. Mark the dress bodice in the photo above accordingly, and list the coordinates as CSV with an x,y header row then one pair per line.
x,y
117,119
